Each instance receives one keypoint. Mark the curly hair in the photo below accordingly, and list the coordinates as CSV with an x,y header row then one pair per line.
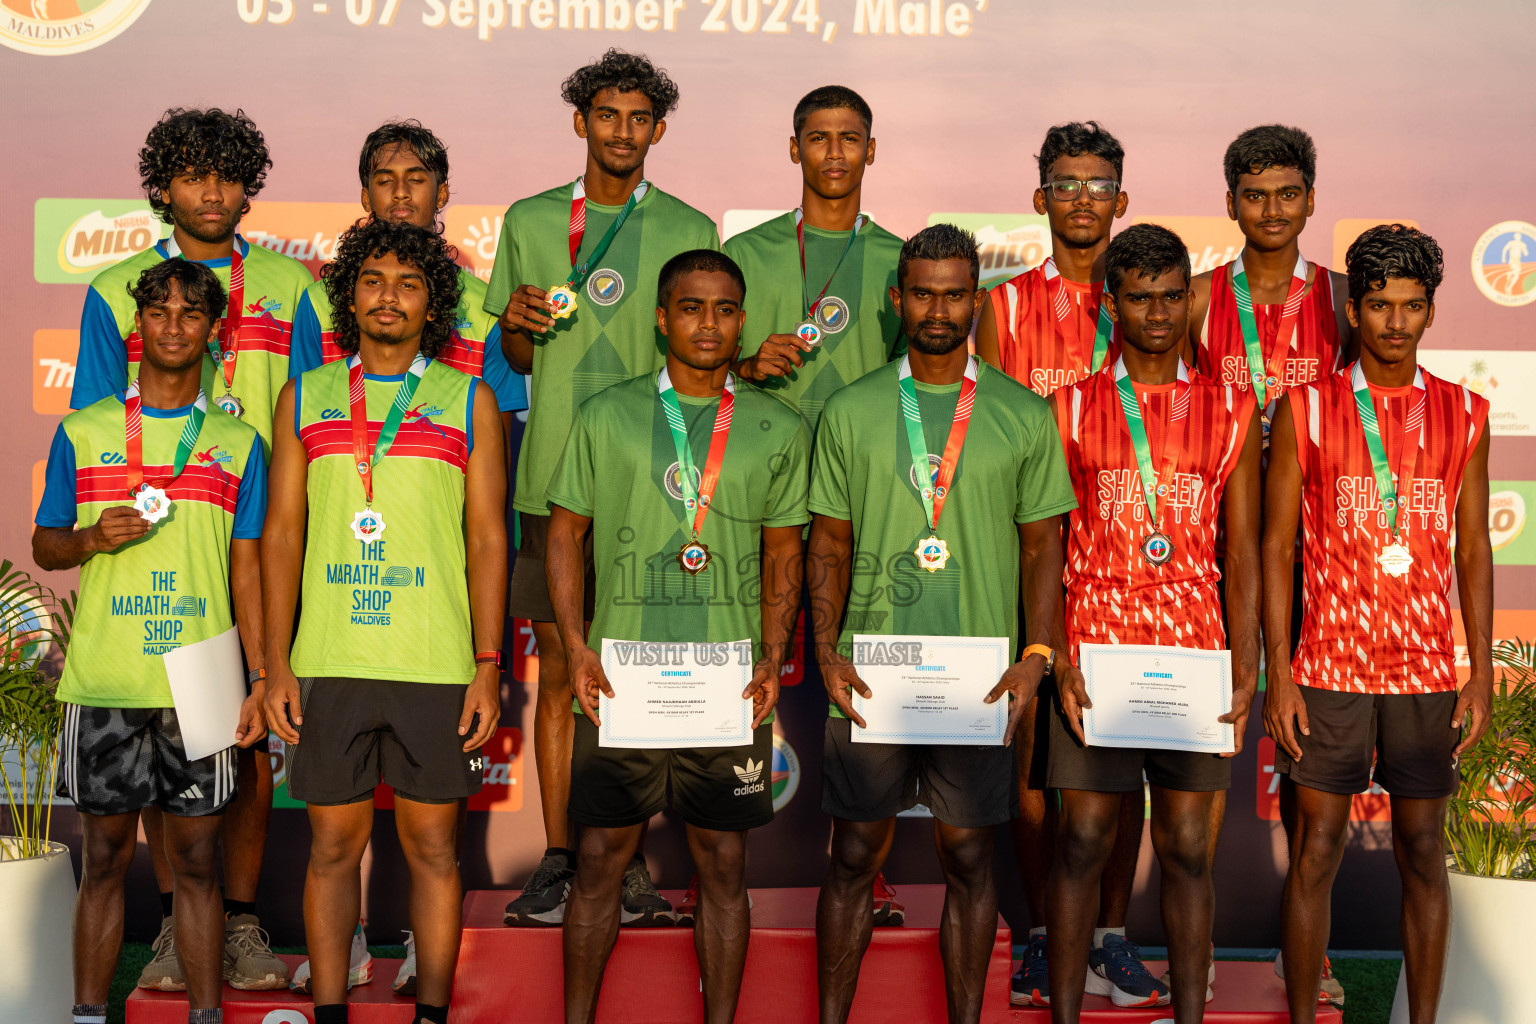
x,y
626,72
199,287
1393,250
1080,138
425,250
1146,249
939,242
428,148
1270,145
707,260
203,140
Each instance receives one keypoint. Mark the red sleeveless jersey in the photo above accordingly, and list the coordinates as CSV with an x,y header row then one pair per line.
x,y
1034,348
1362,630
1223,356
1113,594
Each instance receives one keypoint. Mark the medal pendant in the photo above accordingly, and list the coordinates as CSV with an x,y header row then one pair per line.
x,y
1157,549
809,333
562,302
932,554
694,557
1395,559
232,405
368,525
152,503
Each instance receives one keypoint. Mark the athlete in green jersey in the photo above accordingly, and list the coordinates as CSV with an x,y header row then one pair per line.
x,y
595,244
998,494
694,489
156,574
825,264
388,502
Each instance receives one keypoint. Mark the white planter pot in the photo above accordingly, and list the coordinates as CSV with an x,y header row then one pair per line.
x,y
37,896
1484,982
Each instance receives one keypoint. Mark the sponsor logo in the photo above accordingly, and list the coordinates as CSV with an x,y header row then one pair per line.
x,y
1010,243
285,1017
54,354
751,778
214,456
75,239
1507,504
189,605
306,232
1211,241
525,653
1504,263
112,458
1503,377
476,764
784,773
58,27
1350,228
674,481
475,231
331,414
397,576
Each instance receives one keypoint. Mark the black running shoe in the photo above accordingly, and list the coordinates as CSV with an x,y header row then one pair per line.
x,y
542,901
644,907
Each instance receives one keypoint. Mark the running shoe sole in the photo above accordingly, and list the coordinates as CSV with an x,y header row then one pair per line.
x,y
265,983
362,974
653,918
164,984
542,919
1098,985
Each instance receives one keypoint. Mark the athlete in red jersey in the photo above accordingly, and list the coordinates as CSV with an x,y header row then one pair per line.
x,y
1141,569
1046,328
1373,677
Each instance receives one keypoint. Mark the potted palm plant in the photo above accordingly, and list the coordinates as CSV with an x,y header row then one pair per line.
x,y
1490,833
37,880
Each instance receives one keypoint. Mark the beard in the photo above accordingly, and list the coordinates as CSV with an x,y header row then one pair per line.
x,y
936,346
204,231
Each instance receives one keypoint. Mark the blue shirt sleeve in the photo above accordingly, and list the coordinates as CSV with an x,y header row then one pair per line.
x,y
469,416
251,501
57,508
510,389
101,368
304,342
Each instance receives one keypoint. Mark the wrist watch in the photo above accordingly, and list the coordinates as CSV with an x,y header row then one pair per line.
x,y
1046,652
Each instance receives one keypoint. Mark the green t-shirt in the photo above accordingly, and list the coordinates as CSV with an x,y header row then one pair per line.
x,y
770,260
620,468
612,335
1011,471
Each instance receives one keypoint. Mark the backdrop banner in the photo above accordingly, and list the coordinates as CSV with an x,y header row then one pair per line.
x,y
1401,99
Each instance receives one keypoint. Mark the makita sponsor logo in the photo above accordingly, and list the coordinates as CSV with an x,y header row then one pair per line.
x,y
58,373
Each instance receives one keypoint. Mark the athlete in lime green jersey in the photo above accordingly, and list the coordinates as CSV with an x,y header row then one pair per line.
x,y
388,510
159,499
693,486
995,496
595,244
825,265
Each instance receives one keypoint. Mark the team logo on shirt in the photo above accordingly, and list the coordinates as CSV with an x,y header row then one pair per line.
x,y
832,314
673,479
57,27
933,472
784,773
1504,263
605,287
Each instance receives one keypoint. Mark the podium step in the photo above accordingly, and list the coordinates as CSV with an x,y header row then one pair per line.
x,y
372,1003
1246,993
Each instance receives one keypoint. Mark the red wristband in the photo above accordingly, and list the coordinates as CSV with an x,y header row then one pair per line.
x,y
487,657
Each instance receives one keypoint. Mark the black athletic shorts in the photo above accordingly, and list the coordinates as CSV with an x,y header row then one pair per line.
x,y
1407,735
528,593
118,760
725,789
964,786
357,732
1121,769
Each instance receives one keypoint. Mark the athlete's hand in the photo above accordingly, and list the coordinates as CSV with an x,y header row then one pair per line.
x,y
118,525
1020,681
482,700
1073,691
251,727
841,678
525,310
1475,703
282,703
587,679
763,689
1285,713
1242,703
777,356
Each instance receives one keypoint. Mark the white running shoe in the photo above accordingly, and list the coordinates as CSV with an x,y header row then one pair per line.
x,y
405,978
359,968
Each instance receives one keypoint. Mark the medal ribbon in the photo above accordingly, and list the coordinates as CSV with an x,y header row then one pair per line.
x,y
1178,421
1259,371
133,412
225,349
1413,431
934,496
697,501
358,396
805,291
1104,328
579,228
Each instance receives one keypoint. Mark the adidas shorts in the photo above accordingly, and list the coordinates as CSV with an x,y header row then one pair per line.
x,y
725,789
121,760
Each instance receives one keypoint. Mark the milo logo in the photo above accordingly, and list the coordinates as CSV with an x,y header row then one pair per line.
x,y
75,239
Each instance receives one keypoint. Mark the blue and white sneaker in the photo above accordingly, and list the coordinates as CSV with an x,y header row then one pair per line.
x,y
1115,970
1032,984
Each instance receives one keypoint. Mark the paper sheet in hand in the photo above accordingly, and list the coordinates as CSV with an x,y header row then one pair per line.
x,y
669,695
207,687
930,689
1166,698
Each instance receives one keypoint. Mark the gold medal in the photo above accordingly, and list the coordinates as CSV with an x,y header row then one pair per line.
x,y
932,554
562,302
694,557
1395,559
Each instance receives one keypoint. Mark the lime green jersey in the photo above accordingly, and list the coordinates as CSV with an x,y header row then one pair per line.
x,y
396,607
620,467
860,330
612,335
1011,471
170,588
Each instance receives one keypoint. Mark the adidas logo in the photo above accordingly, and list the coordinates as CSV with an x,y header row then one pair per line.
x,y
749,777
192,792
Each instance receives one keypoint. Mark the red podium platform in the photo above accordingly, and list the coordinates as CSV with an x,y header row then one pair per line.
x,y
372,1003
1246,993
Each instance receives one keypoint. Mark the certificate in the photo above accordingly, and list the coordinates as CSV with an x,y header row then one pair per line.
x,y
930,689
1166,698
669,695
207,689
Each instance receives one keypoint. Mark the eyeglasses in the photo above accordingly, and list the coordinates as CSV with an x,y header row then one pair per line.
x,y
1066,189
